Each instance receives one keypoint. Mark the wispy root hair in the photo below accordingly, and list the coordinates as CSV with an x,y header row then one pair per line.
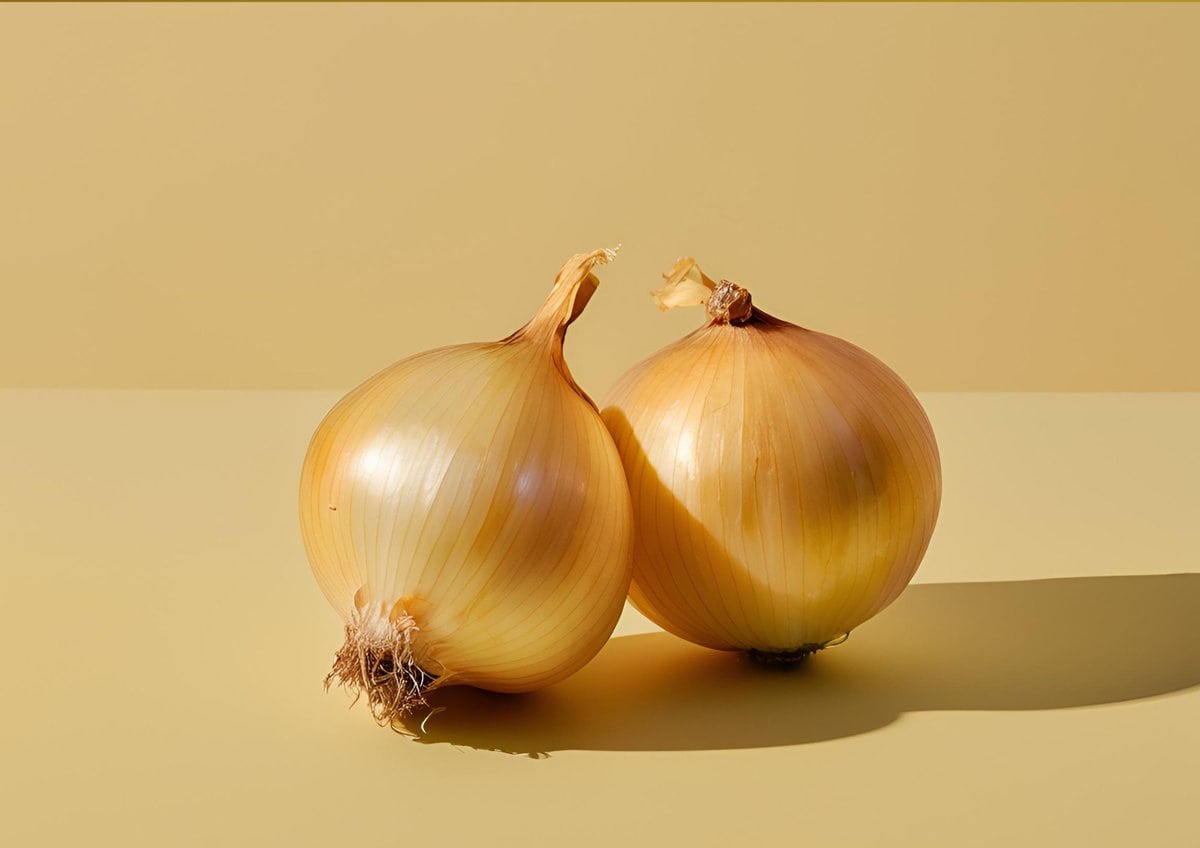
x,y
377,661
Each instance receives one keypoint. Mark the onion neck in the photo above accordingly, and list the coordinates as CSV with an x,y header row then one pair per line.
x,y
573,287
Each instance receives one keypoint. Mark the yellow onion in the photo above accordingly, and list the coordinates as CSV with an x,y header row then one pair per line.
x,y
785,483
465,512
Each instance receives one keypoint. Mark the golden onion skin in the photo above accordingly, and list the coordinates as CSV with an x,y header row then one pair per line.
x,y
473,493
785,485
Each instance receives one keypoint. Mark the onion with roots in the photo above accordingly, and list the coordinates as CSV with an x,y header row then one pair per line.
x,y
466,514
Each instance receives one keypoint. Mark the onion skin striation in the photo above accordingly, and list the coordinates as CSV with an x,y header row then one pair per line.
x,y
466,513
785,482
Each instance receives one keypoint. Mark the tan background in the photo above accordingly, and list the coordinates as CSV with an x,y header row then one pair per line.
x,y
993,197
990,197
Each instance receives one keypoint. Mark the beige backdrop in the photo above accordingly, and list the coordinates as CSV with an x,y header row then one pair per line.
x,y
988,197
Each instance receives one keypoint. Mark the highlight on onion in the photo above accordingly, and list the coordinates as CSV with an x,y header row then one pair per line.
x,y
466,514
785,483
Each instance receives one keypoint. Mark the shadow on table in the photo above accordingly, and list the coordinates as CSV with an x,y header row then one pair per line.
x,y
1027,645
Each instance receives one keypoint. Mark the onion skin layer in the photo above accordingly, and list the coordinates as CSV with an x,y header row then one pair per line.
x,y
785,485
471,500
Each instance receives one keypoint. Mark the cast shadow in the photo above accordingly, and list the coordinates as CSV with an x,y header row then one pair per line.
x,y
1024,645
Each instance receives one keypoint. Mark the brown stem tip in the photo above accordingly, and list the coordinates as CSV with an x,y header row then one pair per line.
x,y
377,661
729,304
686,285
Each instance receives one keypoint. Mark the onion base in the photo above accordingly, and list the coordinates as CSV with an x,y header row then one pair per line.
x,y
377,661
776,659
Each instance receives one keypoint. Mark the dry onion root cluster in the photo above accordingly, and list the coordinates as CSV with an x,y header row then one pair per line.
x,y
466,513
785,483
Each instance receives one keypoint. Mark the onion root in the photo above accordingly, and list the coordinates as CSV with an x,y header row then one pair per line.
x,y
778,659
377,661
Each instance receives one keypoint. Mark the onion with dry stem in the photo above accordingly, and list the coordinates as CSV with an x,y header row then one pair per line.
x,y
465,512
785,483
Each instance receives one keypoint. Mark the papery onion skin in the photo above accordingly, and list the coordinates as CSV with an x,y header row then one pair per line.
x,y
470,498
785,482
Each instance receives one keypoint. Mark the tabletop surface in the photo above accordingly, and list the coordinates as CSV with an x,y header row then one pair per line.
x,y
164,647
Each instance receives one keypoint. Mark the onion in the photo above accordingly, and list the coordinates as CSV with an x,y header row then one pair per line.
x,y
785,483
465,512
